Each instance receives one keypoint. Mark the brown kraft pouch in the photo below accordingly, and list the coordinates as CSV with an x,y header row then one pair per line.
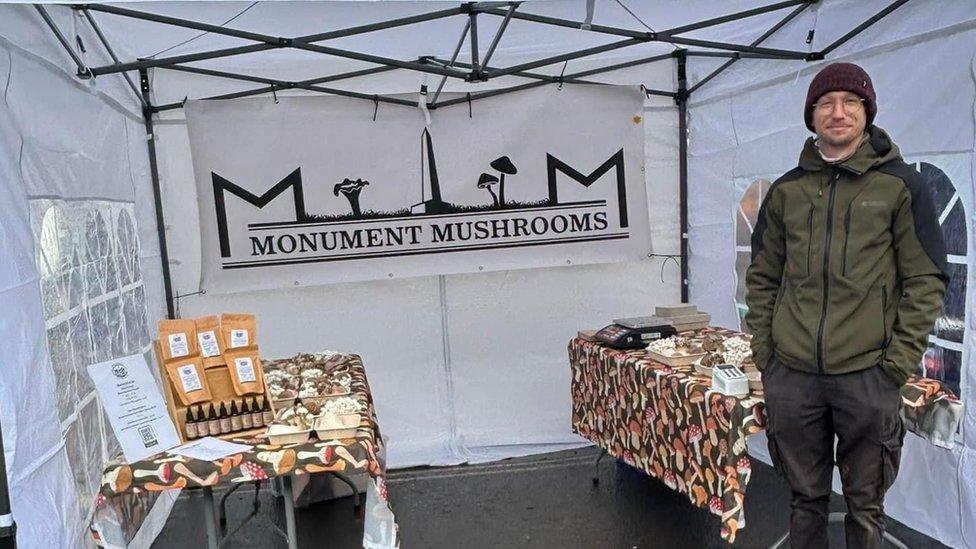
x,y
189,380
245,371
177,338
239,330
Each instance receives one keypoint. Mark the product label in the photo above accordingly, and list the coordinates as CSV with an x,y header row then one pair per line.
x,y
178,345
238,338
208,344
190,378
245,370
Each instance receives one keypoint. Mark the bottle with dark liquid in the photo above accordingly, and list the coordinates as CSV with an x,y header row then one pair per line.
x,y
190,426
267,414
224,420
246,422
257,418
235,417
203,429
213,424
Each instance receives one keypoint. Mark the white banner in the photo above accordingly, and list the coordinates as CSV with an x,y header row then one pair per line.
x,y
312,190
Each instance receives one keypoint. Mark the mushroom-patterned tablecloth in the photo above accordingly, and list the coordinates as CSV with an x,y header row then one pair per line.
x,y
667,422
122,482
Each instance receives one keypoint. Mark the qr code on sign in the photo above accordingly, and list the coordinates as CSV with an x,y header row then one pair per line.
x,y
148,436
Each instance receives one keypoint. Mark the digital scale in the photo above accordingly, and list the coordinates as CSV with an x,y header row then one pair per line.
x,y
624,334
729,380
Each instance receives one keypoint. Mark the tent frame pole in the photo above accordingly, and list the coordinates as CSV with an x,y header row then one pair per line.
x,y
681,99
8,528
147,114
792,15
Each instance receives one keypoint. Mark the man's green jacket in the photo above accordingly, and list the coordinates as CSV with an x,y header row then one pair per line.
x,y
848,264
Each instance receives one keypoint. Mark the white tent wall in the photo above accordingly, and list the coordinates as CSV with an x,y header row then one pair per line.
x,y
71,144
747,125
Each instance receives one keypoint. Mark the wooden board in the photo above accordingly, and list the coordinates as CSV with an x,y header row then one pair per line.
x,y
679,360
221,389
675,310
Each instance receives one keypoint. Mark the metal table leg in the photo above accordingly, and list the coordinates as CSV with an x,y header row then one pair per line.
x,y
210,517
596,466
286,492
351,485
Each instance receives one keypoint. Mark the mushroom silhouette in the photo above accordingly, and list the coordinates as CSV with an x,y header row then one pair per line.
x,y
485,182
351,189
504,166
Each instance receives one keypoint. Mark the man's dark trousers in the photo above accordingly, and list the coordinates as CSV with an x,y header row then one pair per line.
x,y
806,411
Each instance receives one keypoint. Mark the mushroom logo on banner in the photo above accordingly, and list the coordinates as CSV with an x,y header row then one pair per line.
x,y
311,190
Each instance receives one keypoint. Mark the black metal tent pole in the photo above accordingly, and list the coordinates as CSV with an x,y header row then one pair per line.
x,y
111,53
563,57
733,17
147,114
266,89
644,36
285,85
267,42
82,69
789,17
473,34
682,100
860,28
8,528
573,77
532,75
498,34
454,56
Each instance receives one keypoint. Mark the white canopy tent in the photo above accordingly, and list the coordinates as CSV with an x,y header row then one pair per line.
x,y
83,259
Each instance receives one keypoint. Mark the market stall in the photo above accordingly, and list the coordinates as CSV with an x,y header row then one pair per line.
x,y
627,145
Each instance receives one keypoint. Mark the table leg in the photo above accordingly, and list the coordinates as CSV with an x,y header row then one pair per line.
x,y
210,517
289,512
596,466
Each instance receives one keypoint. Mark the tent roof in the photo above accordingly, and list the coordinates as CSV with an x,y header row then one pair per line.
x,y
522,41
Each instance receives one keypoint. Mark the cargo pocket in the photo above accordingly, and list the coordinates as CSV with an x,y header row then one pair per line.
x,y
891,454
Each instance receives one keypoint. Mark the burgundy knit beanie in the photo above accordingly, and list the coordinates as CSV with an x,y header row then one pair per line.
x,y
841,77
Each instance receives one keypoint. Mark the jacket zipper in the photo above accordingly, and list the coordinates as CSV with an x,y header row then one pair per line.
x,y
810,238
847,235
826,271
884,311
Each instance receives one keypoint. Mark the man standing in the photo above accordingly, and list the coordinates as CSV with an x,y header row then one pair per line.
x,y
847,278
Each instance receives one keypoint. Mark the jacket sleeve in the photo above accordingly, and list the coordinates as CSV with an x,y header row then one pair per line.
x,y
764,277
921,261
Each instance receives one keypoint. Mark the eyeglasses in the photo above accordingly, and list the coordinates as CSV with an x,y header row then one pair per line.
x,y
850,105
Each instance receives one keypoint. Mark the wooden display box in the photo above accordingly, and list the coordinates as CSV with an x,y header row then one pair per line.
x,y
221,388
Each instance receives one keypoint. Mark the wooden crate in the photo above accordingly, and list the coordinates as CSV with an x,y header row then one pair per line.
x,y
221,389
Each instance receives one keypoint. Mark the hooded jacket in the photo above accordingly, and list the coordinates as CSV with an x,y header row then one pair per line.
x,y
848,264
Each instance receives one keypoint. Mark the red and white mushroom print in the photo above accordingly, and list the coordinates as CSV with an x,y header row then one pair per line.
x,y
252,471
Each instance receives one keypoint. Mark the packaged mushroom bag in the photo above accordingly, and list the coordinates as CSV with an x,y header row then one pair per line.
x,y
209,336
189,380
239,330
245,371
177,338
